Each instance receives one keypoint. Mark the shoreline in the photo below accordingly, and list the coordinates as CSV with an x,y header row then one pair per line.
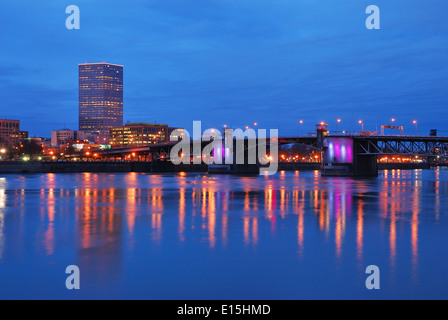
x,y
10,167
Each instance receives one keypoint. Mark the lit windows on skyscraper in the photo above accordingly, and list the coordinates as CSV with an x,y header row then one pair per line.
x,y
100,98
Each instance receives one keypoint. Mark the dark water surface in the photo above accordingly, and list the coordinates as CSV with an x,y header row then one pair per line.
x,y
194,236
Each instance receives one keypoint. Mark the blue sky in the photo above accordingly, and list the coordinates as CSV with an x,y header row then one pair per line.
x,y
231,62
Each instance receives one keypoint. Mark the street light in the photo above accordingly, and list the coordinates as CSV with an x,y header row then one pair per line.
x,y
3,151
300,122
337,125
415,123
362,124
393,120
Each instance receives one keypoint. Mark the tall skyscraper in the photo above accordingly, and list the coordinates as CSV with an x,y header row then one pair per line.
x,y
100,99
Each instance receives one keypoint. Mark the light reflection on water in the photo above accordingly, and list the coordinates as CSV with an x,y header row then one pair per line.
x,y
314,236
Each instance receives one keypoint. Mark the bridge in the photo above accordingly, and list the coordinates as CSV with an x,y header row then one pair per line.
x,y
403,145
150,152
425,146
342,155
357,155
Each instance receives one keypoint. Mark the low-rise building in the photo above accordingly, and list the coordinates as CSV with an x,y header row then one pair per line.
x,y
61,136
138,134
9,133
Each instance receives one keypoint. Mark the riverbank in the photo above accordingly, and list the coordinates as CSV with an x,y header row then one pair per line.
x,y
92,166
156,167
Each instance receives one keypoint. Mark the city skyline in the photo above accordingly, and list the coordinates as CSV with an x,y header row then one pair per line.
x,y
93,96
225,61
203,151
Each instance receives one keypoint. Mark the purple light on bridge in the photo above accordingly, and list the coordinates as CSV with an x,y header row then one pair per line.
x,y
340,150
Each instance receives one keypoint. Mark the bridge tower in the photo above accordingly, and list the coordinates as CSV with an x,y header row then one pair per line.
x,y
321,130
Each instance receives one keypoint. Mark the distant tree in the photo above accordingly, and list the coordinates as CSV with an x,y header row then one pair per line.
x,y
2,142
70,150
30,147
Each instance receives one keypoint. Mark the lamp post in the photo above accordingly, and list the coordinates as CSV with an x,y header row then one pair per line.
x,y
362,125
300,123
337,125
416,124
255,126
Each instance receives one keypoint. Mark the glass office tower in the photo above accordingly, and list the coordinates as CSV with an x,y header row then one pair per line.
x,y
100,99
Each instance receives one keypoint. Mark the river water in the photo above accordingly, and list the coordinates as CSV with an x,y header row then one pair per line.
x,y
294,235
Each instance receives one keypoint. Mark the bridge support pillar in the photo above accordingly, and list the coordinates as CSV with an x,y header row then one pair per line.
x,y
341,157
250,165
365,165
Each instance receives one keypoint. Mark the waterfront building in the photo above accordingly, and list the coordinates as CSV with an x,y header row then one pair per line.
x,y
9,133
138,134
44,142
62,136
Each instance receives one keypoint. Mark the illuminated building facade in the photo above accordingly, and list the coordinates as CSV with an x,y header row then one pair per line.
x,y
100,99
23,135
64,135
9,132
137,134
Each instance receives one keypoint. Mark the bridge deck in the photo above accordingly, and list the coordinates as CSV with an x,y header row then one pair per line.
x,y
378,144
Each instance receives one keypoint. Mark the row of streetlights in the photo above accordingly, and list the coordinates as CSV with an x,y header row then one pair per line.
x,y
338,122
361,122
255,124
